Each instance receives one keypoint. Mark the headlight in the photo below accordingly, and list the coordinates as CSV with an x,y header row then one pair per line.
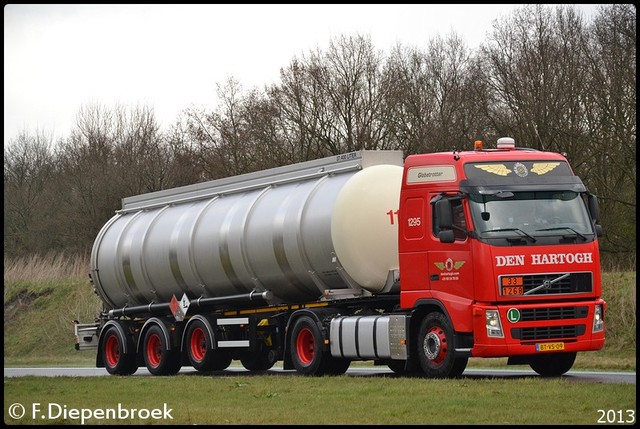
x,y
494,327
598,319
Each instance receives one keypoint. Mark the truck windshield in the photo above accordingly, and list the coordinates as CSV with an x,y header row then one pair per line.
x,y
533,215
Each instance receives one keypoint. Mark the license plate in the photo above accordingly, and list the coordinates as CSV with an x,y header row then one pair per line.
x,y
549,347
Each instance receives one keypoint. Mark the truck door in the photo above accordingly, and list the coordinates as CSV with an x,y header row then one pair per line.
x,y
450,266
413,230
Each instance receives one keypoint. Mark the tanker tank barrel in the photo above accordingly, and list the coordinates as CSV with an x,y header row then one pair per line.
x,y
294,230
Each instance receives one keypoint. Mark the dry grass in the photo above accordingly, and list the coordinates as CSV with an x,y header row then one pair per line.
x,y
45,268
42,297
619,291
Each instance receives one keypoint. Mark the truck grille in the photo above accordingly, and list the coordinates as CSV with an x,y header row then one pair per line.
x,y
553,313
548,332
553,284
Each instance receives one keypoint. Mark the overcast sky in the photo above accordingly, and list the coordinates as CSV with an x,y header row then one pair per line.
x,y
58,58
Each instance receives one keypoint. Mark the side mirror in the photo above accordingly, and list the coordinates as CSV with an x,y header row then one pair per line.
x,y
594,210
444,220
444,214
446,236
599,230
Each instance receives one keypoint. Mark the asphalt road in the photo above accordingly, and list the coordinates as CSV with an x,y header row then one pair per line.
x,y
471,373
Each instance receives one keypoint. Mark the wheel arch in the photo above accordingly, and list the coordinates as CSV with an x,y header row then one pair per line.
x,y
128,345
208,326
463,341
424,307
166,329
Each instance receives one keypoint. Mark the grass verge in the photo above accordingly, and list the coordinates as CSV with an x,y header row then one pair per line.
x,y
275,399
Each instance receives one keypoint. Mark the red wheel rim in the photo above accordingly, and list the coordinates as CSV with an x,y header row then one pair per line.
x,y
435,345
305,346
112,351
154,350
198,344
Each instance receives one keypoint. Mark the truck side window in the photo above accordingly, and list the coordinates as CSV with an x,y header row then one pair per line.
x,y
459,222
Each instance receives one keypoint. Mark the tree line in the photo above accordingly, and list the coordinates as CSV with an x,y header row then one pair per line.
x,y
544,76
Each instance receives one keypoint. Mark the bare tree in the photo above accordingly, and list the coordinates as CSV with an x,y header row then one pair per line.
x,y
140,154
223,136
87,188
355,94
332,102
184,168
269,142
28,171
535,66
301,111
611,118
435,96
112,153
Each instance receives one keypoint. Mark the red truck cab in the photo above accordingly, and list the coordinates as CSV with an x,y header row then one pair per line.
x,y
504,242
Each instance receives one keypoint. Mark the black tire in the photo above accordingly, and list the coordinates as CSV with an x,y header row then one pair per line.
x,y
200,351
435,348
307,350
402,367
396,366
157,356
337,366
259,360
220,361
552,365
115,361
306,347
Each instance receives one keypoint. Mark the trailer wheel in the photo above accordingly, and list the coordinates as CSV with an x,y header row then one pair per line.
x,y
552,365
157,356
259,360
200,352
435,348
116,362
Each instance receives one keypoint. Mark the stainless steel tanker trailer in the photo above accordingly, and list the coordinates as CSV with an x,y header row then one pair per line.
x,y
298,264
246,253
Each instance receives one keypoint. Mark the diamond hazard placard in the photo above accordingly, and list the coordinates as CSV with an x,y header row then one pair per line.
x,y
184,305
179,308
174,305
